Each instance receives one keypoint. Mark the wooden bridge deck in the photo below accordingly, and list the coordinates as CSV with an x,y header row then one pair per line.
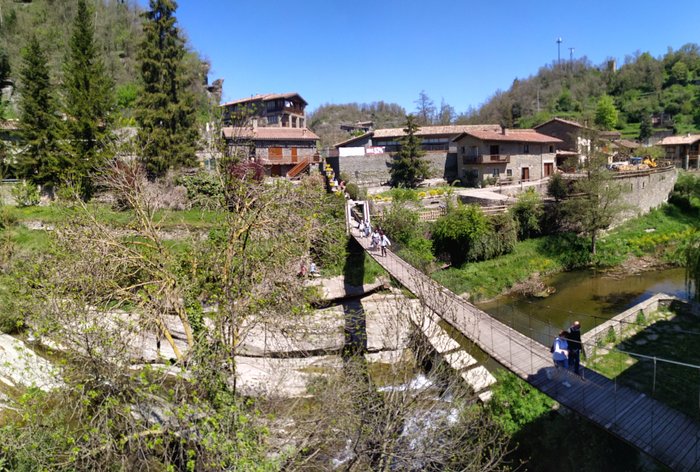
x,y
665,434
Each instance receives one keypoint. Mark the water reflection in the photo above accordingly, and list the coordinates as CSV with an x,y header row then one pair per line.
x,y
589,297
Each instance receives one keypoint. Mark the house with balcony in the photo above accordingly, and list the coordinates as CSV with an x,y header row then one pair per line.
x,y
271,130
682,151
513,155
364,157
282,110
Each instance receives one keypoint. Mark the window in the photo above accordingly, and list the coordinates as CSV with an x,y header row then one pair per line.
x,y
271,105
509,172
464,149
496,172
526,149
551,148
494,149
272,120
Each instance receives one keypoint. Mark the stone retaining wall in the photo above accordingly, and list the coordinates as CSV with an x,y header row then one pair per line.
x,y
628,316
372,169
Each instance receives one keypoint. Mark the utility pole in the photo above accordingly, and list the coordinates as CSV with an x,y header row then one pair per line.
x,y
559,41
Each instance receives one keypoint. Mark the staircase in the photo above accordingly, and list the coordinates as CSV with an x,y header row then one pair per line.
x,y
299,168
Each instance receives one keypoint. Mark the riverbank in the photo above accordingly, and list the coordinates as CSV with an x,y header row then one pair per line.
x,y
644,243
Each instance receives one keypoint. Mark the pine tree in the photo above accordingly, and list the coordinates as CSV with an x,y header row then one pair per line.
x,y
165,110
408,168
42,159
89,102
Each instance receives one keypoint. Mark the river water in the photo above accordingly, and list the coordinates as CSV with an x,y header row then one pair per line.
x,y
587,296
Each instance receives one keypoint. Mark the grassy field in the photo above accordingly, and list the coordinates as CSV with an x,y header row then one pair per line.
x,y
654,234
667,335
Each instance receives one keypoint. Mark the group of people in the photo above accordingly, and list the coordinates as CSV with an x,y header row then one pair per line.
x,y
379,239
311,271
567,349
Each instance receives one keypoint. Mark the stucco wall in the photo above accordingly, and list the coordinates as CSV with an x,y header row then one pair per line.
x,y
372,169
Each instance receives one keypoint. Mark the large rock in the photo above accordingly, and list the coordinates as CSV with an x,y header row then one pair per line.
x,y
20,366
258,376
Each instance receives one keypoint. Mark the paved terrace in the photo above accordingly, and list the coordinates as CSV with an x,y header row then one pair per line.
x,y
668,436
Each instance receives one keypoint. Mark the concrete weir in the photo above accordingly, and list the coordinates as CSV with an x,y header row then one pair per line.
x,y
476,376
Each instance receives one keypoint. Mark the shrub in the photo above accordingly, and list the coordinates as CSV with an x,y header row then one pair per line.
x,y
399,223
641,319
528,212
353,190
419,253
25,194
204,189
458,233
403,195
610,336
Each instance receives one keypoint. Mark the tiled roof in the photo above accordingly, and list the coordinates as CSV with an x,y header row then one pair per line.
x,y
675,140
561,120
423,131
264,97
270,133
627,143
511,135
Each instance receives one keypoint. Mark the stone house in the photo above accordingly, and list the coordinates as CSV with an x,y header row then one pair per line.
x,y
683,151
575,138
513,155
282,110
364,157
271,130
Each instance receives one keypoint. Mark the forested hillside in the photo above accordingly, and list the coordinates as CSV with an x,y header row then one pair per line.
x,y
326,119
647,92
118,33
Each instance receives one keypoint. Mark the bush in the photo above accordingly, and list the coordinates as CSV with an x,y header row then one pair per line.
x,y
641,319
403,195
353,190
204,189
26,194
419,253
458,234
400,224
528,212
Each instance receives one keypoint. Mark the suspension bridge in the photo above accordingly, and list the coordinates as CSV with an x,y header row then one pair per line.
x,y
662,432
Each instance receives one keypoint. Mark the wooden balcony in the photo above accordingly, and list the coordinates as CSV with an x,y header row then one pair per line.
x,y
486,159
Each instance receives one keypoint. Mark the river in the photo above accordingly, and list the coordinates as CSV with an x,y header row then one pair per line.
x,y
587,296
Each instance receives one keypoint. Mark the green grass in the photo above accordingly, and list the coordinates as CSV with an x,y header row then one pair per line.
x,y
656,233
166,219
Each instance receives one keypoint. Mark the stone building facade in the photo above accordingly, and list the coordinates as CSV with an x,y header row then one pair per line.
x,y
506,155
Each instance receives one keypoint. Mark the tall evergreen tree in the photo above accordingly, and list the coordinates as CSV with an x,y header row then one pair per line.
x,y
165,110
88,102
42,159
408,168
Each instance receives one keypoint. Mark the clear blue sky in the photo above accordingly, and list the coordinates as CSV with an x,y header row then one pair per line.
x,y
340,51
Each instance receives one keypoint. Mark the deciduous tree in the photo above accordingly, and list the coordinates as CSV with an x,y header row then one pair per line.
x,y
606,113
597,197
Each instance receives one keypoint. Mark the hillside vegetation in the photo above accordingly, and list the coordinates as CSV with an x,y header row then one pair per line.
x,y
649,93
326,119
118,33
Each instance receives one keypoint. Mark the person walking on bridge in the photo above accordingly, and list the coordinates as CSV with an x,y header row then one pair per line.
x,y
560,356
575,347
384,242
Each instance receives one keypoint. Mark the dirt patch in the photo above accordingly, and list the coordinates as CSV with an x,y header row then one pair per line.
x,y
637,265
534,286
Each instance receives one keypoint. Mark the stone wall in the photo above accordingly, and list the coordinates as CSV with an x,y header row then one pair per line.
x,y
372,169
646,189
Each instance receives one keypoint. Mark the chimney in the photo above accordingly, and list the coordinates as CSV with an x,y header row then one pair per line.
x,y
503,130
